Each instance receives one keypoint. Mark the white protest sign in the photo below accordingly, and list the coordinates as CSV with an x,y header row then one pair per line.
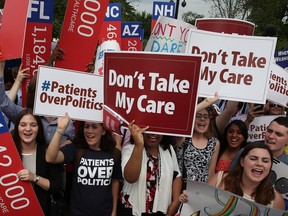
x,y
169,36
78,93
109,45
278,86
258,127
206,200
235,66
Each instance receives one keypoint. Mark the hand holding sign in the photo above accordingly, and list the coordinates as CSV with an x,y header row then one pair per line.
x,y
137,133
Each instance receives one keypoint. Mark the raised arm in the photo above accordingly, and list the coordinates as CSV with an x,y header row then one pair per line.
x,y
53,153
224,118
22,74
8,107
132,168
207,102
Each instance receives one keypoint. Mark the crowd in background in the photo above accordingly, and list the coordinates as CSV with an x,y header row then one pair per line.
x,y
101,173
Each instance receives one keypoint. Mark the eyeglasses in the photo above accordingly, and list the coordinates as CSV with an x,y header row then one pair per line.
x,y
205,116
273,105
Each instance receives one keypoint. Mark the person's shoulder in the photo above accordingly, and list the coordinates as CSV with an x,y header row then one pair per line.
x,y
283,158
278,201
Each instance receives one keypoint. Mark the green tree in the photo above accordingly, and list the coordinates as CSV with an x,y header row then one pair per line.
x,y
268,15
146,19
229,8
190,17
59,13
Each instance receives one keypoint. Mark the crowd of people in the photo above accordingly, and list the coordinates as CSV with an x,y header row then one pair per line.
x,y
142,173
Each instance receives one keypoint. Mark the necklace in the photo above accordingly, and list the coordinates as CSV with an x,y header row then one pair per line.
x,y
156,163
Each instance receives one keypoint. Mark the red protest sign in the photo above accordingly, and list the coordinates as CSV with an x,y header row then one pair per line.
x,y
80,32
229,26
158,90
16,197
38,39
131,36
111,28
12,31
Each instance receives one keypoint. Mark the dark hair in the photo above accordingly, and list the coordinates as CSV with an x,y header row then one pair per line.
x,y
165,142
107,143
40,139
264,193
224,142
281,120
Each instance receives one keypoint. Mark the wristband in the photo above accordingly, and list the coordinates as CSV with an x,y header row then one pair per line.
x,y
60,132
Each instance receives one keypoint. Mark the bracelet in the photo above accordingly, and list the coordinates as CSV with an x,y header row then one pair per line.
x,y
37,178
60,132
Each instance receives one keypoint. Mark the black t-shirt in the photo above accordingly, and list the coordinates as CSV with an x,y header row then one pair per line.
x,y
92,181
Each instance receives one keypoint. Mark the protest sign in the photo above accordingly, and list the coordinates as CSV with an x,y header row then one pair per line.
x,y
111,28
279,178
37,47
17,197
59,91
224,25
110,45
166,9
281,58
112,121
80,32
12,31
258,127
168,36
159,90
232,64
278,86
207,200
131,34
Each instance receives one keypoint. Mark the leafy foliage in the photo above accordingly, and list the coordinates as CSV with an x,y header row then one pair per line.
x,y
190,17
268,17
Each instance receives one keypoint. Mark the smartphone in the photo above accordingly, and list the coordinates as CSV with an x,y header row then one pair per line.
x,y
260,107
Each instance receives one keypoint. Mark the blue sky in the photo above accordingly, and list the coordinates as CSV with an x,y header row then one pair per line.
x,y
198,6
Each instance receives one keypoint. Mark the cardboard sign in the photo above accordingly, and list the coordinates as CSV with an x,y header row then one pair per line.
x,y
156,90
166,9
233,64
207,200
17,197
37,48
80,32
131,34
278,85
59,91
12,31
258,127
229,26
111,28
168,36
